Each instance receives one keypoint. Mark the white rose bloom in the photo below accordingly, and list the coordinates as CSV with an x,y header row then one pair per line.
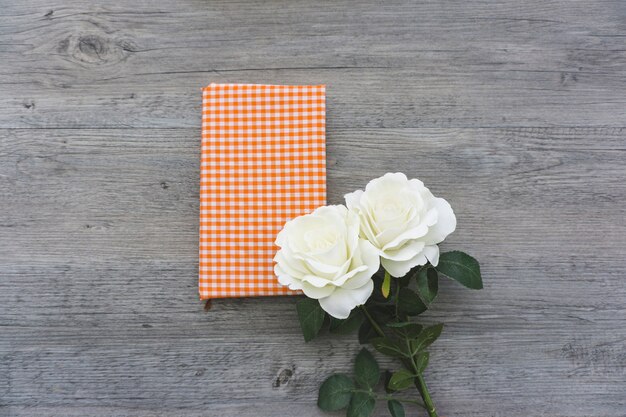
x,y
403,220
322,255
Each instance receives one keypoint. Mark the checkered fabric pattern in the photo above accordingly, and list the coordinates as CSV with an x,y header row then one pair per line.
x,y
263,163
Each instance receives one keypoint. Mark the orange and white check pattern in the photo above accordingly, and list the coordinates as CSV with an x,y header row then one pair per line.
x,y
263,163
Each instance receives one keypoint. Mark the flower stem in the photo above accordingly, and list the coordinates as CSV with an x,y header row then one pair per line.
x,y
423,390
421,386
372,322
420,383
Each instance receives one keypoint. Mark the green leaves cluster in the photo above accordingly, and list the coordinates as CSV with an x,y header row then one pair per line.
x,y
356,394
386,322
407,344
313,319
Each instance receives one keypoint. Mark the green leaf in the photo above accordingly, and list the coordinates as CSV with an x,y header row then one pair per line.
x,y
388,347
410,303
421,361
462,268
354,320
405,280
335,393
382,313
406,329
426,338
311,317
361,405
366,370
395,408
428,284
366,333
401,380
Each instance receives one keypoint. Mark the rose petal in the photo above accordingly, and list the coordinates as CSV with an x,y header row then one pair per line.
x,y
352,232
432,253
316,267
286,279
446,223
353,199
292,234
316,281
334,255
370,258
401,268
354,271
431,217
416,184
342,301
389,181
288,264
406,251
415,233
305,264
312,291
392,209
366,229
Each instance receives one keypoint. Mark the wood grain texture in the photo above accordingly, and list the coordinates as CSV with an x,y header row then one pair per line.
x,y
398,64
513,111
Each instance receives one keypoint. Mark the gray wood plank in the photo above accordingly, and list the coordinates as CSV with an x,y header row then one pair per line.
x,y
99,309
392,64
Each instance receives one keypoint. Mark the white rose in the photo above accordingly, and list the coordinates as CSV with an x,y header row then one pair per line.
x,y
403,220
322,255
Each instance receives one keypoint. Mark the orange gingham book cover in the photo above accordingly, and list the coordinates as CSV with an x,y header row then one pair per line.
x,y
263,163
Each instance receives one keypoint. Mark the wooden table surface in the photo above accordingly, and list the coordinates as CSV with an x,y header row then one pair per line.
x,y
514,111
